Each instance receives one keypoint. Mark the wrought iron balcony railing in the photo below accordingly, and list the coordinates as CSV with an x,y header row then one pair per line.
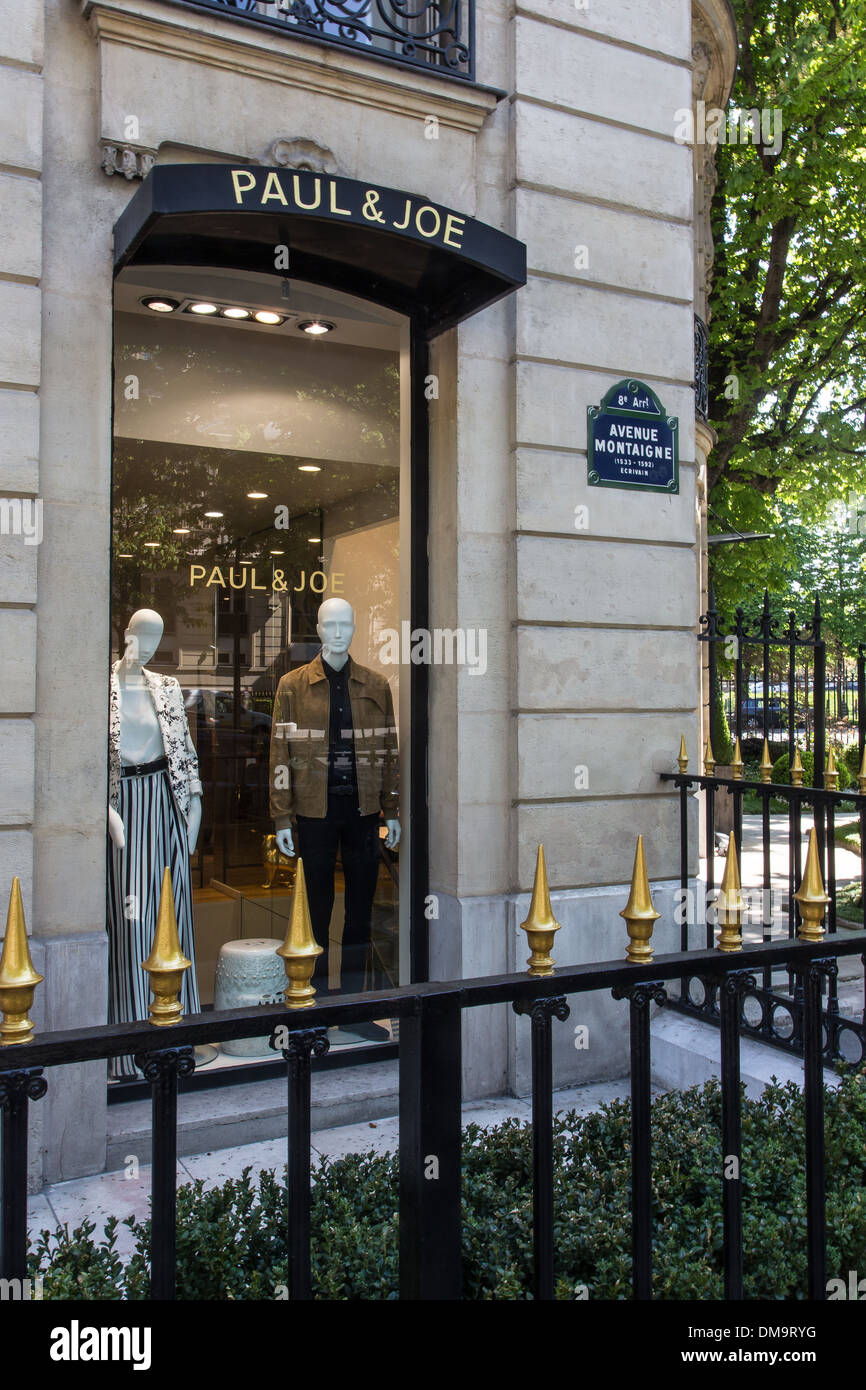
x,y
436,35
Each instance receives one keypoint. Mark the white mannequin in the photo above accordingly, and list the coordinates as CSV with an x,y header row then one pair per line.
x,y
336,628
140,734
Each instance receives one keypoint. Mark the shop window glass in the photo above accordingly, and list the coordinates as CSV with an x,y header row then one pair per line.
x,y
259,470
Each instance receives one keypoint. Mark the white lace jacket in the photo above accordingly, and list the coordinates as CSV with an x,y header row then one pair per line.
x,y
167,699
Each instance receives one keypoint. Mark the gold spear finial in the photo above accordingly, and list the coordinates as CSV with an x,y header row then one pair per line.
x,y
166,963
299,950
18,978
683,757
797,768
861,776
639,913
831,772
811,896
737,763
729,904
766,765
709,759
540,923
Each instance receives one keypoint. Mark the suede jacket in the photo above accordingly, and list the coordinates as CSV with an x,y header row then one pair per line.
x,y
299,744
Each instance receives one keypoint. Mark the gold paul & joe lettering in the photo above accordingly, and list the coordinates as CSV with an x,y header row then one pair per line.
x,y
317,581
427,220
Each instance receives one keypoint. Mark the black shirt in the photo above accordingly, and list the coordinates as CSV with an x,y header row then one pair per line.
x,y
342,777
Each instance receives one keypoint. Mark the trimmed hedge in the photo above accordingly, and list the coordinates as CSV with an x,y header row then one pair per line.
x,y
782,772
851,759
231,1238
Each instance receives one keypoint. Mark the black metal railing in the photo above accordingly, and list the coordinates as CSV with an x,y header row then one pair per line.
x,y
430,1106
762,655
436,35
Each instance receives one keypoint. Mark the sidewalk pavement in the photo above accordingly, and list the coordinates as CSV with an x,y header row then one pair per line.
x,y
752,876
752,859
123,1194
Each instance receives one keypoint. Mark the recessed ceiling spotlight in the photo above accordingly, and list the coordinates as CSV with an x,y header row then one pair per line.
x,y
309,468
257,496
233,312
278,552
267,316
152,545
180,531
125,555
316,327
204,308
314,540
215,514
160,305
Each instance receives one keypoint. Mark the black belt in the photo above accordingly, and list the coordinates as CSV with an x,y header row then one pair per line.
x,y
143,769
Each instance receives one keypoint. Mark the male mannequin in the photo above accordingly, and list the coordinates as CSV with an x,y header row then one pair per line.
x,y
154,816
333,771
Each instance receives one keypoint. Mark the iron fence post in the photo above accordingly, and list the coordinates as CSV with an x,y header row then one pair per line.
x,y
730,996
813,1079
684,875
430,1162
639,999
302,1045
162,1070
861,700
541,1013
17,1089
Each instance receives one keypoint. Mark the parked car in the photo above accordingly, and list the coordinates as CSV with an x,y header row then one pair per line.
x,y
752,714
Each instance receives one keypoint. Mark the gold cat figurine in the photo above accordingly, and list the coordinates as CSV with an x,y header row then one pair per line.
x,y
279,867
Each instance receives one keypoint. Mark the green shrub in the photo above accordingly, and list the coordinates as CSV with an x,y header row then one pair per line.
x,y
720,733
752,749
231,1238
781,771
851,759
843,770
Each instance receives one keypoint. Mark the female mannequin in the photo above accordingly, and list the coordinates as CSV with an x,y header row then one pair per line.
x,y
154,816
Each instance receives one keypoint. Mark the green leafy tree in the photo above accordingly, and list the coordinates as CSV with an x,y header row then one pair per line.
x,y
788,307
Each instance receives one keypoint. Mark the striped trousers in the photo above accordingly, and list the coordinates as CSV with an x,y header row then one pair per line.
x,y
156,837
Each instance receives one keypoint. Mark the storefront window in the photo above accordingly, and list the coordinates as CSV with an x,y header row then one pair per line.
x,y
260,469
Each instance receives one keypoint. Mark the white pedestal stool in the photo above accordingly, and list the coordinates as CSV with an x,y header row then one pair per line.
x,y
249,972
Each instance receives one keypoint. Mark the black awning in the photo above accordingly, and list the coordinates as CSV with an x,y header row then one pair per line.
x,y
379,243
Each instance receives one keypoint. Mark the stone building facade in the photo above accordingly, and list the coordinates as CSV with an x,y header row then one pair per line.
x,y
564,141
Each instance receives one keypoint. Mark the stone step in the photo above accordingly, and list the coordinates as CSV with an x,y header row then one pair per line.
x,y
226,1116
685,1052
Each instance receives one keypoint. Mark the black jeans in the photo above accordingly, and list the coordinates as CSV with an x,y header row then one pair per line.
x,y
357,838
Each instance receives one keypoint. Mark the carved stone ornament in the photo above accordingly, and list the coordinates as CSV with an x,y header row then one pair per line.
x,y
132,161
297,152
702,62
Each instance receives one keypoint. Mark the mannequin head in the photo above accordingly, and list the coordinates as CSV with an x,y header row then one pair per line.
x,y
143,635
336,626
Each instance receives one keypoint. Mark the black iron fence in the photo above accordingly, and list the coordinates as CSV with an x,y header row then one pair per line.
x,y
762,655
437,35
430,1088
